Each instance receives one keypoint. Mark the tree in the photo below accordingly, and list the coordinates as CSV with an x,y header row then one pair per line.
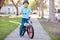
x,y
40,4
1,3
16,5
51,11
45,7
32,4
58,3
6,3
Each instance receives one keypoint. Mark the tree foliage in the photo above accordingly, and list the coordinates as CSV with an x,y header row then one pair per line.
x,y
58,3
37,2
6,3
32,4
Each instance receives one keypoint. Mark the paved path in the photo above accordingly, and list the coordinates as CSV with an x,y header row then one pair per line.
x,y
40,33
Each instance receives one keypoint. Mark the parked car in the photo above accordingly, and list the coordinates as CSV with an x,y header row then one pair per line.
x,y
46,15
58,15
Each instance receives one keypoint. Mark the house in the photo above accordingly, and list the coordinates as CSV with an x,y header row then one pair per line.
x,y
10,9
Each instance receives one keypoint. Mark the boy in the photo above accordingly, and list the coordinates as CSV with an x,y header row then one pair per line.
x,y
25,11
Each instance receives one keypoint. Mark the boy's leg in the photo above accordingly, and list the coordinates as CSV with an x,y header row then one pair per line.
x,y
22,25
27,20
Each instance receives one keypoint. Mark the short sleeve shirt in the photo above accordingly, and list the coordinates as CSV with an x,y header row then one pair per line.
x,y
25,12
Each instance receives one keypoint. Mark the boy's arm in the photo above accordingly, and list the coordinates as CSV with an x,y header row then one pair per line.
x,y
30,11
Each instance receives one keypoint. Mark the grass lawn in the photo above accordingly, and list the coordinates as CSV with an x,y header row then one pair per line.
x,y
7,25
50,28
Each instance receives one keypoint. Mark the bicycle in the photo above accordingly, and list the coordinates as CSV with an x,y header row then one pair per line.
x,y
29,28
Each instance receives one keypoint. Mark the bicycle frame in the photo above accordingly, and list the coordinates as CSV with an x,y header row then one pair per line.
x,y
28,25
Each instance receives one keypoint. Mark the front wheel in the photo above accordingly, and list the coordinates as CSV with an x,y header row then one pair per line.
x,y
23,32
30,32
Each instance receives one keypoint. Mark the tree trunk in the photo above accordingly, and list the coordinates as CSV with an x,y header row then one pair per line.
x,y
1,3
42,10
39,12
17,11
51,11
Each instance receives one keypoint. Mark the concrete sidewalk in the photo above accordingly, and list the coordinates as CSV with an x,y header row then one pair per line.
x,y
39,33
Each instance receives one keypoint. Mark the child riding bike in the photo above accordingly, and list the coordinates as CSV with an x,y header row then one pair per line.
x,y
25,11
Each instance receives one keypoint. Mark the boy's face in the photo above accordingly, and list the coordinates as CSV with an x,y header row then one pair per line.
x,y
26,5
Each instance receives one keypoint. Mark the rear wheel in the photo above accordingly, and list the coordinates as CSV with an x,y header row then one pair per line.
x,y
30,32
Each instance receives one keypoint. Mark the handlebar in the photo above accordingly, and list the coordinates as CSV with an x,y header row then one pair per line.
x,y
29,17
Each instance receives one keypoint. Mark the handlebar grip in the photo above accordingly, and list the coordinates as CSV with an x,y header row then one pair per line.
x,y
29,17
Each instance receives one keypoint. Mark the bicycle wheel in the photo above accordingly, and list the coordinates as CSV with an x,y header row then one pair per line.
x,y
30,32
23,32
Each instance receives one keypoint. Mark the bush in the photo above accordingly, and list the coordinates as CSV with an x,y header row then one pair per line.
x,y
2,13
